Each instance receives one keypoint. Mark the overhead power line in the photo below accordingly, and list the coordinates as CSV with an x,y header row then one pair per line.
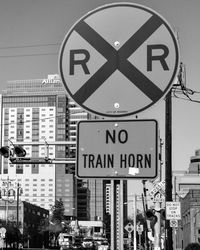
x,y
30,46
25,55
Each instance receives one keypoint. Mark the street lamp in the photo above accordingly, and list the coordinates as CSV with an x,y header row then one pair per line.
x,y
19,192
7,194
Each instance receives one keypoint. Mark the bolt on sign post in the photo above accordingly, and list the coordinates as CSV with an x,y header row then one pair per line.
x,y
118,149
119,59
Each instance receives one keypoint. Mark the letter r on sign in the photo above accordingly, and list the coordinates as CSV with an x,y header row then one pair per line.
x,y
82,62
161,57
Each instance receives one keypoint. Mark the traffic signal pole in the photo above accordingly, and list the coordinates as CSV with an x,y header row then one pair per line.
x,y
168,164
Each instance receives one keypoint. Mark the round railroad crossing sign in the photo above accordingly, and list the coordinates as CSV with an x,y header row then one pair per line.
x,y
119,59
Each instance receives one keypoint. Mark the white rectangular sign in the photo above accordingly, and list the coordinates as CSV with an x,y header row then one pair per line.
x,y
173,210
159,187
117,149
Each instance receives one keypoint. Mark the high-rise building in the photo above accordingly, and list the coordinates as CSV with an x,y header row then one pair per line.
x,y
39,110
35,111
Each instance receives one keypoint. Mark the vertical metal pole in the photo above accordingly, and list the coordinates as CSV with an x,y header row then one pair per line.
x,y
112,216
168,164
18,213
121,215
17,204
145,193
6,203
135,228
146,226
95,200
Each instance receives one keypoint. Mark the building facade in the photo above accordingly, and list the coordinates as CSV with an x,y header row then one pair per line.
x,y
186,188
183,181
189,226
39,110
31,218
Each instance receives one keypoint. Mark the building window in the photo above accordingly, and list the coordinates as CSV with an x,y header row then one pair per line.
x,y
35,169
19,169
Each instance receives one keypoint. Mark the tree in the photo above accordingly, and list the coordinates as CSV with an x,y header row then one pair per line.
x,y
13,234
57,212
56,219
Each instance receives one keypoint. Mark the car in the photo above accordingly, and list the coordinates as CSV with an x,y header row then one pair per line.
x,y
104,246
98,241
88,243
77,245
65,241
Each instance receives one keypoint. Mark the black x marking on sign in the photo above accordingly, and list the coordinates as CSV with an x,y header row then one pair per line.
x,y
117,60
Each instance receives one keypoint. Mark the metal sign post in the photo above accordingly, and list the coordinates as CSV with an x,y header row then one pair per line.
x,y
130,228
114,65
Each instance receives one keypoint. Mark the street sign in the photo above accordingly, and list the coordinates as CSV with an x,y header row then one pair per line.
x,y
140,229
158,188
117,149
129,227
158,198
173,210
173,223
119,59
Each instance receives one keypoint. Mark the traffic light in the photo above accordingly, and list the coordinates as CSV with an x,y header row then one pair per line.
x,y
5,151
19,151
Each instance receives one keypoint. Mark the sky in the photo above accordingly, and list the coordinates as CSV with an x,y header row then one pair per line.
x,y
31,33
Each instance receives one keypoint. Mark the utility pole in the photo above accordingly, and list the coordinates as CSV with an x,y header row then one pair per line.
x,y
145,208
135,222
168,164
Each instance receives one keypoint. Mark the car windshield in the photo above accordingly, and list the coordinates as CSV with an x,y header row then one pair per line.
x,y
67,237
104,243
77,241
88,239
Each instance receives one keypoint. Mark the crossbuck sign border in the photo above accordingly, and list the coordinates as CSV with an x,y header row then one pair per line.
x,y
119,59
